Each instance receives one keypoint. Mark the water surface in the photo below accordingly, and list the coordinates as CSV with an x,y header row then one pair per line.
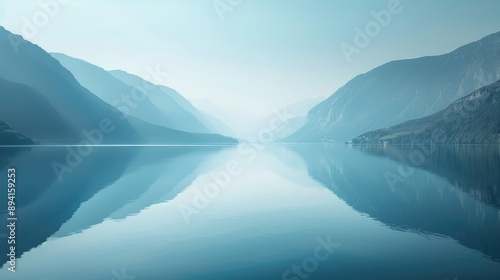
x,y
262,212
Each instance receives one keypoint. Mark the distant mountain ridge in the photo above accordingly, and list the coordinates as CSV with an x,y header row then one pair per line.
x,y
473,119
169,100
402,90
113,91
294,117
170,103
42,100
29,65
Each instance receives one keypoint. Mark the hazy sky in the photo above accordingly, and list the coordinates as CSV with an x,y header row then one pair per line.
x,y
261,54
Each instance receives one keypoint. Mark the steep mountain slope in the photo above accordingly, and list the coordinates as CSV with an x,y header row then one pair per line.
x,y
25,63
184,115
129,100
402,90
473,119
8,136
51,107
31,114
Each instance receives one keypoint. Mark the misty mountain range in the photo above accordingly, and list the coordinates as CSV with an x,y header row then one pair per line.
x,y
45,102
175,106
473,119
295,114
142,99
58,99
402,90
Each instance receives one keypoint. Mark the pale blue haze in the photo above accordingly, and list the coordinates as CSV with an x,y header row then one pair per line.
x,y
264,54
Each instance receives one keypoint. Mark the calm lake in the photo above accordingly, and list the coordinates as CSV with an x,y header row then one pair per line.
x,y
324,211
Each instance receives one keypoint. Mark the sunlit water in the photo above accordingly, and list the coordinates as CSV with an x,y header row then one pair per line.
x,y
265,212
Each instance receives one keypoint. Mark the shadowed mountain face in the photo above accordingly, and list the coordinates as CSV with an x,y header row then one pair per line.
x,y
183,115
402,90
8,136
31,114
157,117
136,97
410,198
473,119
26,63
58,110
125,98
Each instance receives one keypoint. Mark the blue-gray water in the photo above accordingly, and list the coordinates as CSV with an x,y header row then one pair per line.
x,y
285,212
